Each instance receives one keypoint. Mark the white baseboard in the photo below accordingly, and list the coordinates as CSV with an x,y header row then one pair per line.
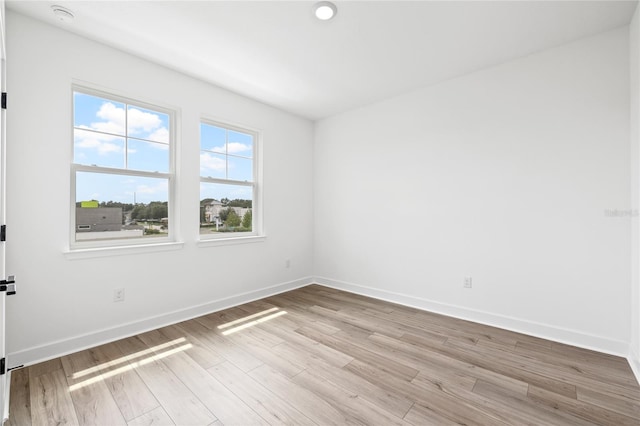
x,y
64,347
545,331
7,394
634,362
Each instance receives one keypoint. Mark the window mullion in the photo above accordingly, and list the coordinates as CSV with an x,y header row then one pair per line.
x,y
226,153
126,136
99,132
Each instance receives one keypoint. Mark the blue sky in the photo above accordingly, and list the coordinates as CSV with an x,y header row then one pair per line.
x,y
225,153
112,134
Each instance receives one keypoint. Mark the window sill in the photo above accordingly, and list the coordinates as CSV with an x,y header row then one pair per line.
x,y
213,242
89,253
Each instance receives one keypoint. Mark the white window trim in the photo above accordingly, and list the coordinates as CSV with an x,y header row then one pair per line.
x,y
96,248
257,208
91,253
245,239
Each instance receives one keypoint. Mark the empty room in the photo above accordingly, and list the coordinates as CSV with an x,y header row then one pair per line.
x,y
320,213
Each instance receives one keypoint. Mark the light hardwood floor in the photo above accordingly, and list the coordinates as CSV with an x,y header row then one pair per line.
x,y
321,356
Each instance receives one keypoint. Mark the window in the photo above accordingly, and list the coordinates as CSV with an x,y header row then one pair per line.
x,y
122,171
227,181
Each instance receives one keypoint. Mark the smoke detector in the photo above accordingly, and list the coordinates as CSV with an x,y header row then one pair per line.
x,y
62,13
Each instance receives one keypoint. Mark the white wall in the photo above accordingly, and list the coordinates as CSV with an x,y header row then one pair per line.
x,y
503,175
634,56
64,304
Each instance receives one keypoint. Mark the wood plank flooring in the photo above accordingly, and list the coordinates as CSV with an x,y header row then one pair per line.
x,y
319,356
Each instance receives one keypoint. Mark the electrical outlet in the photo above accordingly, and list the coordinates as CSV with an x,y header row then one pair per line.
x,y
118,295
467,282
287,263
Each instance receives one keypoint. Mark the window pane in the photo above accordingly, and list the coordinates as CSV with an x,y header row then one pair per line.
x,y
213,165
225,154
240,169
212,138
225,208
148,156
146,124
110,206
92,148
104,115
240,144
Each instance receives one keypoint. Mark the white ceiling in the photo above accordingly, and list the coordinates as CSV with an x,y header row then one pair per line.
x,y
276,52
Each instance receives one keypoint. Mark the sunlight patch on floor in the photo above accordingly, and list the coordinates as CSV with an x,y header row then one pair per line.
x,y
127,358
247,318
131,366
254,322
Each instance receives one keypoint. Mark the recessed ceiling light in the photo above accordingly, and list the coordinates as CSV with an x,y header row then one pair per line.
x,y
62,13
325,10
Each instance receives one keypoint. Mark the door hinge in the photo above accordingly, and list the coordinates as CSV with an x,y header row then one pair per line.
x,y
8,285
4,100
3,233
3,368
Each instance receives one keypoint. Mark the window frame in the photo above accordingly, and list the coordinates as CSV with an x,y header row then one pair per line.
x,y
170,175
257,232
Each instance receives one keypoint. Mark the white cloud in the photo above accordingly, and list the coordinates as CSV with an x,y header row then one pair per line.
x,y
225,191
233,148
209,162
141,121
114,119
236,147
240,192
160,188
103,144
160,135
